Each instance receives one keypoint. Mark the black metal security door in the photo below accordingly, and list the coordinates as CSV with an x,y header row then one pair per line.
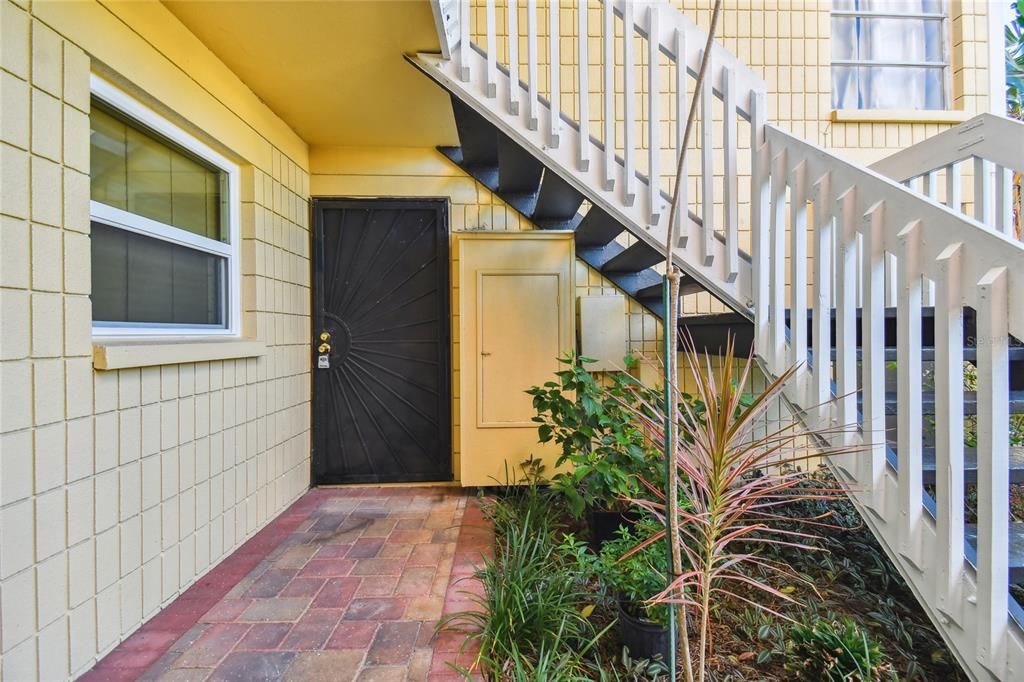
x,y
381,341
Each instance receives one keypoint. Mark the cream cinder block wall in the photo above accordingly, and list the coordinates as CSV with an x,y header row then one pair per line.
x,y
118,489
420,172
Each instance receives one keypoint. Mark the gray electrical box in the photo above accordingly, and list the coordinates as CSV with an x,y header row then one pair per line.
x,y
603,331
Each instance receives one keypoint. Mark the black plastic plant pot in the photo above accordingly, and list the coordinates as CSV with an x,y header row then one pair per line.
x,y
605,524
644,638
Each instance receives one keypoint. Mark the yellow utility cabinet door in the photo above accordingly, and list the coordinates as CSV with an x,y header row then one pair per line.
x,y
515,320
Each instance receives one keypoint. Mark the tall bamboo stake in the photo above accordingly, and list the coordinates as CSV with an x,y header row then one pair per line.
x,y
671,289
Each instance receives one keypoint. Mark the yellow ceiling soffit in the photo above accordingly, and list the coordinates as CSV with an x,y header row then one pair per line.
x,y
333,70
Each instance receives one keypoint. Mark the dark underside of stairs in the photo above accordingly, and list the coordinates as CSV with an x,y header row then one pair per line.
x,y
550,202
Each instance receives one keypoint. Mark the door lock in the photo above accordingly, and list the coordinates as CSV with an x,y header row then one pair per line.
x,y
323,360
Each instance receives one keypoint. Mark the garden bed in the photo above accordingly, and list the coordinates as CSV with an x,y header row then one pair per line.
x,y
852,581
782,579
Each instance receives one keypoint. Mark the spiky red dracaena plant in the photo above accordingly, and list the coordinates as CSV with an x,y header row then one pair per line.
x,y
734,473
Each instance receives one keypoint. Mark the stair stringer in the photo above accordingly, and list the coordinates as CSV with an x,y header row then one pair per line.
x,y
712,276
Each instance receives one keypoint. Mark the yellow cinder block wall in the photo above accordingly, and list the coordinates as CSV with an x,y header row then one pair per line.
x,y
119,488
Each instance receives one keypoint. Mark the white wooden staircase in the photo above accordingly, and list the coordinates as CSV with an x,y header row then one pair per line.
x,y
842,262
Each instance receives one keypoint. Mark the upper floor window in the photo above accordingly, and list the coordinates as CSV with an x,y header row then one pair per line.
x,y
889,54
164,216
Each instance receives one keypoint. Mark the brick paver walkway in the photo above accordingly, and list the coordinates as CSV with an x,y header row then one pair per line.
x,y
347,584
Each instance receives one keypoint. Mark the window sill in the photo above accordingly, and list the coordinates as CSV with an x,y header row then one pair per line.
x,y
899,116
111,353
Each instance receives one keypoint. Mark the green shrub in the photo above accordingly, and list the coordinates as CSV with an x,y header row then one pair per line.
x,y
636,577
837,651
594,426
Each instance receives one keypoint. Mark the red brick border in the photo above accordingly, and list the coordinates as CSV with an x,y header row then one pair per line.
x,y
476,540
130,659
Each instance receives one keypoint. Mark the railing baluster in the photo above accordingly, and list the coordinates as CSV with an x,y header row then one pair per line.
x,y
982,191
777,265
759,210
872,364
629,105
846,312
554,74
707,165
798,277
821,390
931,185
730,180
993,463
891,280
531,64
653,116
1004,200
954,188
583,87
465,51
513,58
681,111
949,434
931,190
491,82
860,272
909,423
608,40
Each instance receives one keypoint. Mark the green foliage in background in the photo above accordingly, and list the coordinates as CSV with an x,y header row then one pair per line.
x,y
1015,61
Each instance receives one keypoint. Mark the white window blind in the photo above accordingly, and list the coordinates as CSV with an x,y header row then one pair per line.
x,y
164,225
889,54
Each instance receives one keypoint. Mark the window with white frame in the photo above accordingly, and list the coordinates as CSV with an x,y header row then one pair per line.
x,y
164,217
890,54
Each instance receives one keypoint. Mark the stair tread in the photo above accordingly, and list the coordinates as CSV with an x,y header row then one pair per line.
x,y
1016,401
634,258
477,137
519,171
485,175
1016,547
928,463
629,282
557,202
1016,353
687,285
597,228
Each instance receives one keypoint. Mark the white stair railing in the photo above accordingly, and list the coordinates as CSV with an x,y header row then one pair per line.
x,y
969,168
872,243
972,266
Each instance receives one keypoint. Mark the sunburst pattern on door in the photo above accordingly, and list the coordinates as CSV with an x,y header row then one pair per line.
x,y
382,406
